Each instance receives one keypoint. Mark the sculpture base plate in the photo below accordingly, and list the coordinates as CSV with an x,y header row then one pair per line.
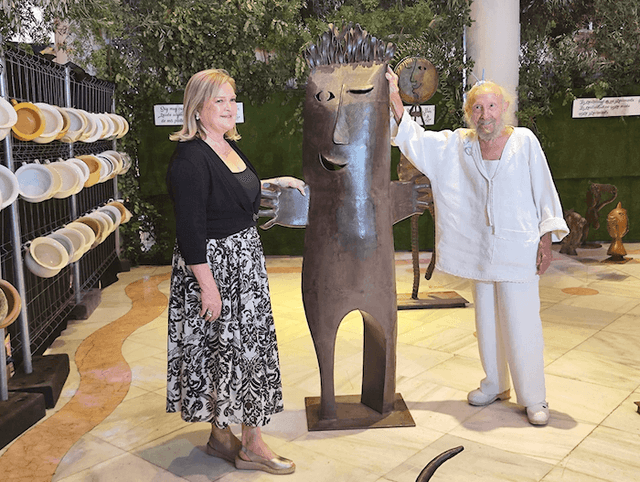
x,y
353,414
616,260
590,245
436,299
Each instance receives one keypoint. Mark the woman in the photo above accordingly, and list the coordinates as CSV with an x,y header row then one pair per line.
x,y
223,363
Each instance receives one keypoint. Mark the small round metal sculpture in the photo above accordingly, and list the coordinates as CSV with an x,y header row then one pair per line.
x,y
417,82
617,226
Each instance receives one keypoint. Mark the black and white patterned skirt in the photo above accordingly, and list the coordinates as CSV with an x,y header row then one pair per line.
x,y
224,371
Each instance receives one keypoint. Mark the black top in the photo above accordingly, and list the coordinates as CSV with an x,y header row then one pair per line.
x,y
209,202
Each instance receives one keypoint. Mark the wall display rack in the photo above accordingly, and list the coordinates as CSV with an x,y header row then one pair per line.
x,y
47,302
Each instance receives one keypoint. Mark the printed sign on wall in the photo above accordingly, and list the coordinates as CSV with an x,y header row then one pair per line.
x,y
428,114
606,107
171,114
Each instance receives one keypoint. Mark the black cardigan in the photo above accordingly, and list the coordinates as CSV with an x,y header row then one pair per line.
x,y
208,200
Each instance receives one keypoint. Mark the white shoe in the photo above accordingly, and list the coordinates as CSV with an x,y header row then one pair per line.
x,y
479,399
538,414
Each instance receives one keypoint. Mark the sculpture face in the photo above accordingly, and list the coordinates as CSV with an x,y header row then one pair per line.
x,y
345,124
417,80
618,222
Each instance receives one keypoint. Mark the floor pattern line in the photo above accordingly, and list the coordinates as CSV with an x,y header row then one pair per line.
x,y
105,378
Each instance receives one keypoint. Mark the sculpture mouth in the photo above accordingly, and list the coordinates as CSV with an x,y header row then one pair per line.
x,y
331,165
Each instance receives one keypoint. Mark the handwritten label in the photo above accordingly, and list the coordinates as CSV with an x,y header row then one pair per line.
x,y
428,114
171,114
606,107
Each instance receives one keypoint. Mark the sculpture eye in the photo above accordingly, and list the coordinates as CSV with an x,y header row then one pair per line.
x,y
363,90
324,96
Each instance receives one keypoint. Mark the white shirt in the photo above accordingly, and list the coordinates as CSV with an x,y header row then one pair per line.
x,y
487,227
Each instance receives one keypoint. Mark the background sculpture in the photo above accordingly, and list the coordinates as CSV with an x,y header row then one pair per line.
x,y
577,226
417,82
594,205
349,213
617,227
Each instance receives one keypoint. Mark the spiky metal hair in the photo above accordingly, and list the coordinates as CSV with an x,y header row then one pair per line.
x,y
350,45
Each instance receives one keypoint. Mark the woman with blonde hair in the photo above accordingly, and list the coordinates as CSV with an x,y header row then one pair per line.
x,y
223,363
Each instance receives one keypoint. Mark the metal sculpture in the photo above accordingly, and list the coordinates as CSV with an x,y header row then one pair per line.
x,y
617,227
349,211
594,205
417,82
577,225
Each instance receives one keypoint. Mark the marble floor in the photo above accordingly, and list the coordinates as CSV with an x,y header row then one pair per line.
x,y
110,422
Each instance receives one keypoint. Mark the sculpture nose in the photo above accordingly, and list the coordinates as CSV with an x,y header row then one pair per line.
x,y
341,129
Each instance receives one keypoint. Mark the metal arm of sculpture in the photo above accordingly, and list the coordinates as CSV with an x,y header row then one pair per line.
x,y
285,206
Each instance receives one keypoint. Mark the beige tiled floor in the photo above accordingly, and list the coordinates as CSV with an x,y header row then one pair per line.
x,y
592,358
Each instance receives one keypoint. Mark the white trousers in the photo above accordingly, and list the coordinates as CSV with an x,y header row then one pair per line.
x,y
510,338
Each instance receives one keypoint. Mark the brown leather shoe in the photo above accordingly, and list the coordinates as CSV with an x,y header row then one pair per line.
x,y
277,465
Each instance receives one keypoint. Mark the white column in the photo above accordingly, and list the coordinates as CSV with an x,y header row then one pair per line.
x,y
493,42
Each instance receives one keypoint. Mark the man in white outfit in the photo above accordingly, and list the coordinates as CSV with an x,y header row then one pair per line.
x,y
497,212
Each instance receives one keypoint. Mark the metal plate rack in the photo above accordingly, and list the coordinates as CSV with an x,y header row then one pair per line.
x,y
47,302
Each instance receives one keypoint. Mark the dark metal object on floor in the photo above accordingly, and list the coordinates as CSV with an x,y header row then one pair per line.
x,y
436,462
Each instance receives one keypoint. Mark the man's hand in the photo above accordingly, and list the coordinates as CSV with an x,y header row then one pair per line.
x,y
543,260
394,95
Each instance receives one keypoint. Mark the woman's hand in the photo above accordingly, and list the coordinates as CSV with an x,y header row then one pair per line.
x,y
287,181
211,306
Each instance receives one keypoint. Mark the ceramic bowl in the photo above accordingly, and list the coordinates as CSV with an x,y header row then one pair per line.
x,y
106,221
116,162
66,242
108,167
70,176
124,212
126,162
125,130
87,232
9,187
14,303
77,125
117,123
77,240
8,115
36,182
95,166
53,123
109,126
46,257
89,126
83,169
66,122
31,121
57,180
113,212
96,132
98,226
